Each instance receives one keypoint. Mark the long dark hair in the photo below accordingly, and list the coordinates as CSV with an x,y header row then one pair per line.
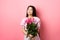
x,y
34,11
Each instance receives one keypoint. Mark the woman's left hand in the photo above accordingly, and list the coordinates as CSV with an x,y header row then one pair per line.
x,y
30,35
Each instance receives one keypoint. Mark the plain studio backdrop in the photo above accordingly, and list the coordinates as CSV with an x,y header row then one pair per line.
x,y
13,11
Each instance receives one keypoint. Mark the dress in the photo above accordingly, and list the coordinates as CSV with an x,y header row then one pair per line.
x,y
24,26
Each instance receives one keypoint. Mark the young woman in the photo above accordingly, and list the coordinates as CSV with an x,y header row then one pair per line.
x,y
31,13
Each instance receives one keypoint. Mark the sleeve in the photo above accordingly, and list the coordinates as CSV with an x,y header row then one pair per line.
x,y
39,23
22,23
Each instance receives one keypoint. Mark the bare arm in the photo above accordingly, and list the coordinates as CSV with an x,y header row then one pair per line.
x,y
23,30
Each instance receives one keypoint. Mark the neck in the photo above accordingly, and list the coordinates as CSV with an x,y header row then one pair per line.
x,y
30,16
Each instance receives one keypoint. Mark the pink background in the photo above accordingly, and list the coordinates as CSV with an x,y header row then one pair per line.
x,y
13,11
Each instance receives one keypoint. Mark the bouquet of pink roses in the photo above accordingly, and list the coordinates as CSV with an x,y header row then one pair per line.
x,y
31,27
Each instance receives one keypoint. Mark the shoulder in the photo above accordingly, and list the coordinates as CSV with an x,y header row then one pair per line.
x,y
23,21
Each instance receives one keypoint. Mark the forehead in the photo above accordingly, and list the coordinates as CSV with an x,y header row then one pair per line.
x,y
30,8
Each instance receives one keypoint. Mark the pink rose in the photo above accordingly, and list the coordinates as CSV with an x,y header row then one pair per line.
x,y
29,20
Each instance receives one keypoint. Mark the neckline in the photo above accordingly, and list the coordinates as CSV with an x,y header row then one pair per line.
x,y
31,17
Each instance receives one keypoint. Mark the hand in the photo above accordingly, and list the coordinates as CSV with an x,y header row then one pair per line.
x,y
30,35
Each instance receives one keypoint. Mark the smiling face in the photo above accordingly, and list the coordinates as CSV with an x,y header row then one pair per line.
x,y
30,11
